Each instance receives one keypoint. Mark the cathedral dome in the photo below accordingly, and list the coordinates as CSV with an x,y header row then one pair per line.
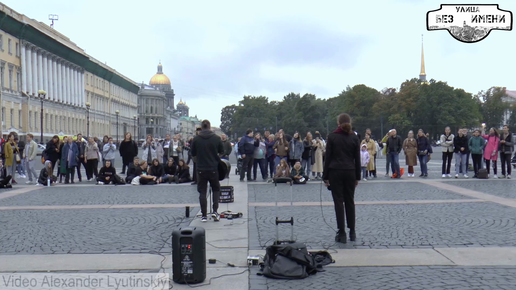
x,y
159,78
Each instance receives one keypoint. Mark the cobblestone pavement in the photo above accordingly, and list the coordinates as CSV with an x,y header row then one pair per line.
x,y
399,278
98,194
502,188
92,231
364,192
393,226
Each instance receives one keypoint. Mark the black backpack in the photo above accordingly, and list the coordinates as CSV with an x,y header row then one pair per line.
x,y
288,261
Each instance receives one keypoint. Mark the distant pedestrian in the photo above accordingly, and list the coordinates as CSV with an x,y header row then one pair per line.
x,y
424,151
70,159
491,150
460,144
30,158
91,158
476,146
148,150
364,161
128,150
448,150
11,151
506,149
394,146
246,148
410,150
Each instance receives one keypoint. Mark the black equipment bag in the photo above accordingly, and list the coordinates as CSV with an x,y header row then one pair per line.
x,y
288,261
482,173
226,194
117,180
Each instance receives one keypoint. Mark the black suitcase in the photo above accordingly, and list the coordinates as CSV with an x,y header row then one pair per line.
x,y
482,174
227,194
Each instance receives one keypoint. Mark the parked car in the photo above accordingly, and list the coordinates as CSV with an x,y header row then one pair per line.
x,y
40,149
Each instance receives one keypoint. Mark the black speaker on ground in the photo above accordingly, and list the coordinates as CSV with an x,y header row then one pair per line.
x,y
189,255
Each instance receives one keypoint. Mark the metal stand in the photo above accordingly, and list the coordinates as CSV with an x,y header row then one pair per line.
x,y
289,221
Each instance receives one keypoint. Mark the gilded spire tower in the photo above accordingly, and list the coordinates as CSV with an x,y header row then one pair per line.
x,y
422,74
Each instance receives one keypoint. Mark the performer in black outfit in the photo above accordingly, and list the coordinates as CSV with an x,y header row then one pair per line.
x,y
341,174
206,148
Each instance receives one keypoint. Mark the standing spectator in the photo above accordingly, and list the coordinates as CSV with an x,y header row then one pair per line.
x,y
175,149
4,177
476,146
128,150
319,149
11,150
424,149
30,158
371,149
187,148
296,149
372,137
410,150
280,148
70,159
307,159
364,161
106,174
448,150
259,158
236,148
52,151
506,148
206,147
109,152
166,146
342,173
491,150
148,150
460,144
80,146
183,172
270,163
159,150
227,147
20,167
394,146
105,140
246,149
387,158
91,158
61,170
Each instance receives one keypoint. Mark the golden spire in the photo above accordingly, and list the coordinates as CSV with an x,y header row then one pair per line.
x,y
422,59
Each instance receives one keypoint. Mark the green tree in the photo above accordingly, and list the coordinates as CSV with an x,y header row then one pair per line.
x,y
493,107
226,118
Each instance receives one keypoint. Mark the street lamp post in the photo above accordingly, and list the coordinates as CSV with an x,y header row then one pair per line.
x,y
88,119
136,136
41,95
152,127
117,113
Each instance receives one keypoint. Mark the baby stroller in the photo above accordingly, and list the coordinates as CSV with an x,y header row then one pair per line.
x,y
240,163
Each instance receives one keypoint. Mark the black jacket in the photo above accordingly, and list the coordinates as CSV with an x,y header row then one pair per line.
x,y
156,170
131,170
80,145
107,172
206,147
183,173
170,170
227,148
307,153
342,152
51,152
43,177
128,149
423,144
3,172
506,148
247,145
459,142
394,144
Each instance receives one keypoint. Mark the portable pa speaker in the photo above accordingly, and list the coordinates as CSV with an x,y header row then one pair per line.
x,y
227,194
189,255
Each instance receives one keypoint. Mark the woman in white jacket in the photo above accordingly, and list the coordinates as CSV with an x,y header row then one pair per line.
x,y
149,150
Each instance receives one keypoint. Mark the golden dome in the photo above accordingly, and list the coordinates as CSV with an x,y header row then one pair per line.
x,y
180,102
160,78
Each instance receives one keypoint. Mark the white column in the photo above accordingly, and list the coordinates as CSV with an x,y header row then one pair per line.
x,y
68,85
44,75
65,84
59,83
75,88
34,71
62,85
83,98
49,78
40,70
28,70
54,79
24,69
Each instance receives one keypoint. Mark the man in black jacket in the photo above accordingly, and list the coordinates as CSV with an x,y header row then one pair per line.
x,y
394,146
460,149
206,148
246,148
227,147
81,146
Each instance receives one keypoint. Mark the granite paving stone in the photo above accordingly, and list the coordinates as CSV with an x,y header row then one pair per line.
x,y
502,188
364,192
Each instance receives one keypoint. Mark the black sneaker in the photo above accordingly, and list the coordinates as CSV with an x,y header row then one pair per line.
x,y
352,235
215,216
204,219
340,237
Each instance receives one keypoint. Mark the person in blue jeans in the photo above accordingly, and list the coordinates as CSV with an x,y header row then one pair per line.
x,y
394,146
424,149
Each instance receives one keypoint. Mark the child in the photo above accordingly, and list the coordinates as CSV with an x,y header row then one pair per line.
x,y
364,160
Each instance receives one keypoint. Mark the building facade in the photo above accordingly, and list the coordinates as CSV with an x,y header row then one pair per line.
x,y
76,85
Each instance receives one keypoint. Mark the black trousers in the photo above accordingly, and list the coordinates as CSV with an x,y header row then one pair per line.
x,y
69,171
92,168
202,188
505,160
5,181
262,163
477,159
342,183
194,179
247,166
447,159
81,161
488,167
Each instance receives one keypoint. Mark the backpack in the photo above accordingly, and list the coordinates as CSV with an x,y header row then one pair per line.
x,y
117,180
288,261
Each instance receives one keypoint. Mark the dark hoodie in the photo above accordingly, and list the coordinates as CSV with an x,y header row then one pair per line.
x,y
342,153
206,147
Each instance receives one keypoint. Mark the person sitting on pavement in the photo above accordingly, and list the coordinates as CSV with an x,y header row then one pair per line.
x,y
298,173
145,179
131,169
169,170
183,172
107,174
282,170
4,178
156,170
47,173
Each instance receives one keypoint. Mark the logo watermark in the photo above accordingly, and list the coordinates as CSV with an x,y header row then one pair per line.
x,y
469,22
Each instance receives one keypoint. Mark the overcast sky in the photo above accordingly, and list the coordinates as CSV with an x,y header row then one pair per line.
x,y
214,52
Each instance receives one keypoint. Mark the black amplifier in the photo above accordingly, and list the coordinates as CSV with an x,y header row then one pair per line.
x,y
227,194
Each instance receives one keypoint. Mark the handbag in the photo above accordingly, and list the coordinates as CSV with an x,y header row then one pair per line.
x,y
422,152
136,181
18,159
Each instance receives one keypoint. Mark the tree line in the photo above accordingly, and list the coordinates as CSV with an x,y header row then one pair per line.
x,y
429,106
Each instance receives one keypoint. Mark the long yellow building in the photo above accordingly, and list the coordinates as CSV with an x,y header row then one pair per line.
x,y
35,57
